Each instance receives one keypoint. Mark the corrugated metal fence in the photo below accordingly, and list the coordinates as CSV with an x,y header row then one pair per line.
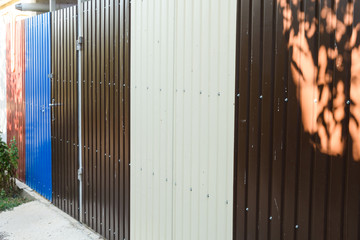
x,y
37,98
15,89
64,113
182,119
297,139
106,118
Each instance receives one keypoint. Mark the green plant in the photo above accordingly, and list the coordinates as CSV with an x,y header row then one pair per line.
x,y
8,166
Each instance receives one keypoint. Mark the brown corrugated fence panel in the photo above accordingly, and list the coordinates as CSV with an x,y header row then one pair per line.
x,y
106,117
64,124
15,92
297,137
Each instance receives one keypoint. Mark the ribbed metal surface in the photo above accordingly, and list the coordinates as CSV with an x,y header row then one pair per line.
x,y
297,144
64,115
152,82
15,89
105,117
182,119
37,100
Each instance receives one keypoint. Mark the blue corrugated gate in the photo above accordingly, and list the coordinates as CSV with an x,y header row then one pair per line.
x,y
37,97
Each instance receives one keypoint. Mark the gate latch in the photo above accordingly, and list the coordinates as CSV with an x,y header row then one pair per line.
x,y
53,104
80,172
79,43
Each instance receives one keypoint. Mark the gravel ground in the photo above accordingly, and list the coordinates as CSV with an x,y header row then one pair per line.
x,y
38,220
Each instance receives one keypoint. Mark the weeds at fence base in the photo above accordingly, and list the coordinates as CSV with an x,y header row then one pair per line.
x,y
8,202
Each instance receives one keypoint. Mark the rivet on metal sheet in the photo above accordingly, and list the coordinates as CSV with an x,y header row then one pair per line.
x,y
297,226
247,209
261,97
208,195
227,202
348,102
270,218
286,99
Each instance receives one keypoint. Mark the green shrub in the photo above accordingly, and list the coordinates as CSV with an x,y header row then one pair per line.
x,y
8,166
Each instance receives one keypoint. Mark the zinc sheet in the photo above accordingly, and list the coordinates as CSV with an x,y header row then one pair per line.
x,y
182,119
64,113
297,123
105,117
37,100
15,89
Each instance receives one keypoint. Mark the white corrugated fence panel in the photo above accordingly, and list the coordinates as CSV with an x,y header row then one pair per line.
x,y
152,47
182,118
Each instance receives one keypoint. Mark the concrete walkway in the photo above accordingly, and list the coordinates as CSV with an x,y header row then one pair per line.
x,y
38,220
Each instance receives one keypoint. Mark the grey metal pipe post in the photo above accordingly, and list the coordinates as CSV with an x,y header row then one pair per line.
x,y
79,48
52,5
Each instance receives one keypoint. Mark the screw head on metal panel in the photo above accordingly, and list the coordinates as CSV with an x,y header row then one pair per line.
x,y
50,75
261,97
227,202
270,218
238,95
348,102
208,195
286,99
297,226
247,209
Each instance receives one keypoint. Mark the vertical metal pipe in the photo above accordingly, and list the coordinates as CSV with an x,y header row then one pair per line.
x,y
80,34
52,5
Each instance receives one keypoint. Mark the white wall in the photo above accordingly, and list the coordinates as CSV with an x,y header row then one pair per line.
x,y
3,78
182,118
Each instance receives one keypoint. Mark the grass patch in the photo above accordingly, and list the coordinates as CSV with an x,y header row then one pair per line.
x,y
9,202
